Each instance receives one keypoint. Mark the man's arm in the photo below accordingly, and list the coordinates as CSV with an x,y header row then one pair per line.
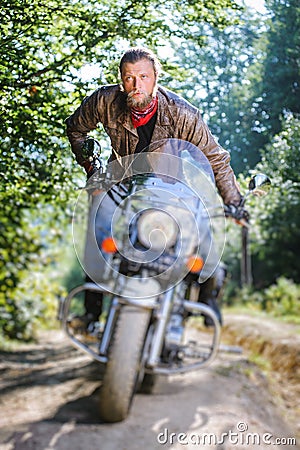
x,y
81,122
194,130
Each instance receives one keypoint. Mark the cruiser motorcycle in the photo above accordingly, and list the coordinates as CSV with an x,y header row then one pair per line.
x,y
164,236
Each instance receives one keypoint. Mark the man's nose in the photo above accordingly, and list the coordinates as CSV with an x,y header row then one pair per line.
x,y
137,83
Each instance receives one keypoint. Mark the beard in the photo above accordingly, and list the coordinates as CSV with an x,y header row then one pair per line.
x,y
139,103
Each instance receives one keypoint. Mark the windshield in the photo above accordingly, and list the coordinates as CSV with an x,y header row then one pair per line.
x,y
174,161
181,155
170,176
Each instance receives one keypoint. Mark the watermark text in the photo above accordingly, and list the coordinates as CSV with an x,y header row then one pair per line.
x,y
239,436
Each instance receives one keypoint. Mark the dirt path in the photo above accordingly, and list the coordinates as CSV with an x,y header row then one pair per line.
x,y
49,401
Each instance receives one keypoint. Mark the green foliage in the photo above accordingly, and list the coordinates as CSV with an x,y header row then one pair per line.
x,y
274,231
280,84
276,218
44,48
34,300
273,81
282,298
217,82
247,296
279,299
225,56
246,78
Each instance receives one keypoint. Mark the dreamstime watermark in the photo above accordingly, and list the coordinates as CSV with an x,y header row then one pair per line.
x,y
239,436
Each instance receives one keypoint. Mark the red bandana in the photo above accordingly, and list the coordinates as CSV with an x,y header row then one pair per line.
x,y
140,117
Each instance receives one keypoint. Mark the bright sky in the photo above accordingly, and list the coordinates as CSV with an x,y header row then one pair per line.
x,y
256,4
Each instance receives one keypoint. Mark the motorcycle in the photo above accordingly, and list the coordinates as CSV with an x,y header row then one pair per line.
x,y
164,236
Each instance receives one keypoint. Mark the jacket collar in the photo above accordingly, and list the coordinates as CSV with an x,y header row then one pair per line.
x,y
163,128
163,122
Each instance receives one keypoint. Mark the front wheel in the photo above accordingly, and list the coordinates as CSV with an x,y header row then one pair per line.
x,y
148,384
123,367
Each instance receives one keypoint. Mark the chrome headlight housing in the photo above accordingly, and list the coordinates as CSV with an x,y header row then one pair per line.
x,y
157,230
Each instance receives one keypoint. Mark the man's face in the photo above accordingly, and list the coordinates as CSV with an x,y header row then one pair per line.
x,y
139,81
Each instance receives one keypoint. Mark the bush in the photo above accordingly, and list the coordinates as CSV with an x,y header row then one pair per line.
x,y
275,224
280,299
33,303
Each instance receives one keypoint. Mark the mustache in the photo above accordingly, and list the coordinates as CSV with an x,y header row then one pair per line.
x,y
136,91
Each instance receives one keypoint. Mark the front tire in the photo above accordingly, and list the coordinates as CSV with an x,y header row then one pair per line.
x,y
148,384
123,367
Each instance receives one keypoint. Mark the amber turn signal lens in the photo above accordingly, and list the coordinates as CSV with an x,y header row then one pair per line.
x,y
195,264
108,245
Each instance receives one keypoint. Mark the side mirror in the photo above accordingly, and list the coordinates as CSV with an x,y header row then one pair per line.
x,y
259,185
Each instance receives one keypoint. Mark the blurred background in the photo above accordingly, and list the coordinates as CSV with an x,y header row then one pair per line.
x,y
238,64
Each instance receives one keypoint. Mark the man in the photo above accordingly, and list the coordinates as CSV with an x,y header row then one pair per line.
x,y
138,112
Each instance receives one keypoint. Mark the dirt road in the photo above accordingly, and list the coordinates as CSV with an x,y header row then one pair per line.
x,y
49,401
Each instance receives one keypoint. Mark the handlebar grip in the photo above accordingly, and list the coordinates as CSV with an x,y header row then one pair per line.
x,y
237,213
91,149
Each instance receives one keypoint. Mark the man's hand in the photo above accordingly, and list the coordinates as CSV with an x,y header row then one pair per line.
x,y
239,213
90,172
89,169
91,152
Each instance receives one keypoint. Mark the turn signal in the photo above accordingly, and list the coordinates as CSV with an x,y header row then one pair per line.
x,y
108,245
195,263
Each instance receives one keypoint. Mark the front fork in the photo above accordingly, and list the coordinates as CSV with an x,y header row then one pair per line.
x,y
163,315
172,300
162,312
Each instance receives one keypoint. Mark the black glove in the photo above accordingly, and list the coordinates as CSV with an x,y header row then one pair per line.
x,y
89,169
238,213
91,152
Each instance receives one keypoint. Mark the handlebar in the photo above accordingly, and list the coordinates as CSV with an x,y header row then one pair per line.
x,y
238,213
91,152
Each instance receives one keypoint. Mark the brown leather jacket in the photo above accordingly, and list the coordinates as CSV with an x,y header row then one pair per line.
x,y
176,118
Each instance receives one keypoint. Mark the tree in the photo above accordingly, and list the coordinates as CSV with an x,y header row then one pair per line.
x,y
217,82
43,46
280,84
276,234
274,219
246,78
274,77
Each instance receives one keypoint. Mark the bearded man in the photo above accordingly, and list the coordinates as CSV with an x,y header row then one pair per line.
x,y
138,112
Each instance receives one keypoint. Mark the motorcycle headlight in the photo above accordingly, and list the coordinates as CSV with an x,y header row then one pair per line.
x,y
157,229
